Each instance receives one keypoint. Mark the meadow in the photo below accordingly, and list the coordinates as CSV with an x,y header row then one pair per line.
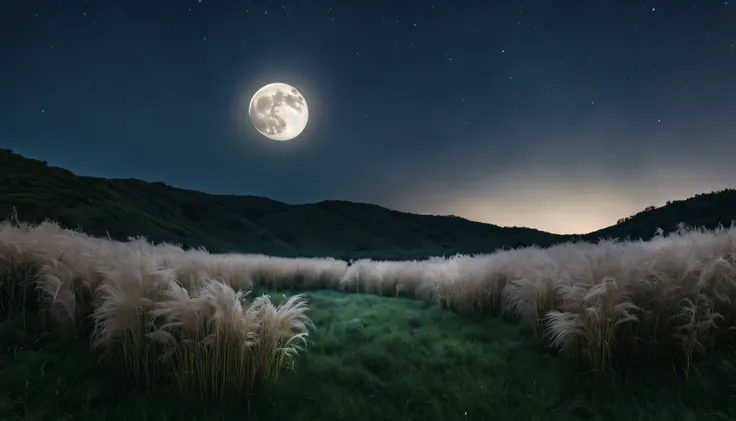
x,y
101,329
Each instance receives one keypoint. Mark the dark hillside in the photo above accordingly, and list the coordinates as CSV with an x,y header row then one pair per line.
x,y
130,207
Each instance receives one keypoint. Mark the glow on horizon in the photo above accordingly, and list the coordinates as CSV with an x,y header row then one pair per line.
x,y
554,207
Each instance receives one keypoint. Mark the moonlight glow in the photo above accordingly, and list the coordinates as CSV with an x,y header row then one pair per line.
x,y
278,111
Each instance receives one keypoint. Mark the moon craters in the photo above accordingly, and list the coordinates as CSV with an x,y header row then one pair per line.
x,y
265,110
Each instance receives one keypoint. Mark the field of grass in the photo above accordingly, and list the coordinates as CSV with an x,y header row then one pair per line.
x,y
369,358
98,329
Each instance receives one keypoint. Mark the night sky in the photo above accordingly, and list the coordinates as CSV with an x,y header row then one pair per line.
x,y
558,115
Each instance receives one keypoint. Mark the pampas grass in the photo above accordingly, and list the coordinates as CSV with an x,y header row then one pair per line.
x,y
158,308
155,312
670,297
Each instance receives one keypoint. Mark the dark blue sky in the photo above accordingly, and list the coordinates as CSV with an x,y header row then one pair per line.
x,y
560,115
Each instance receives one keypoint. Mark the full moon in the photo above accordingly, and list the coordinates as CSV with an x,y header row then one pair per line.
x,y
278,111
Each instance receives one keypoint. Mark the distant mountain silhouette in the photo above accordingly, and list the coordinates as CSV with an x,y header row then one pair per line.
x,y
129,207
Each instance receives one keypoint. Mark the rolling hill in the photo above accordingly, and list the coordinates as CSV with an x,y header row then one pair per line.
x,y
128,207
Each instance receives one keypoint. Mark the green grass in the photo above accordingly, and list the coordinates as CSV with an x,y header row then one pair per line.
x,y
370,358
